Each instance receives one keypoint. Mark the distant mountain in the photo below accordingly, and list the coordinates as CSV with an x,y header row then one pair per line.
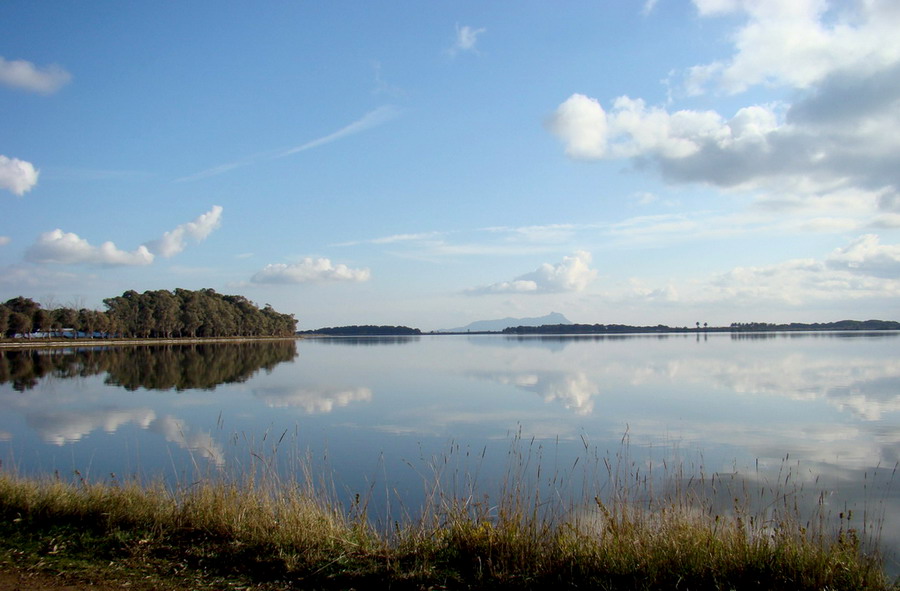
x,y
500,324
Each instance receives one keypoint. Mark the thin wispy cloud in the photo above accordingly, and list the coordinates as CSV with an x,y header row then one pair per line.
x,y
379,116
649,6
395,238
466,39
370,120
382,86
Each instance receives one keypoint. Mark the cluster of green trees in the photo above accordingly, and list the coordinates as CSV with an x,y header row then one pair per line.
x,y
152,314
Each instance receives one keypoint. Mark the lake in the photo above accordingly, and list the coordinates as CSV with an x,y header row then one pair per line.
x,y
816,414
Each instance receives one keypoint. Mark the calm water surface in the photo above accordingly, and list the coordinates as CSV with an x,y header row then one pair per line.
x,y
819,411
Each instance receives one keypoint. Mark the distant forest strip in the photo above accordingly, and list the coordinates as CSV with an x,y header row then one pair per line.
x,y
734,327
365,330
152,314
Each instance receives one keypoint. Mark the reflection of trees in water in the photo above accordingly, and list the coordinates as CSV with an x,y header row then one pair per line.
x,y
365,341
162,367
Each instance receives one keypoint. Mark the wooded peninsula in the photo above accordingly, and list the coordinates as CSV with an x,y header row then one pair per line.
x,y
152,314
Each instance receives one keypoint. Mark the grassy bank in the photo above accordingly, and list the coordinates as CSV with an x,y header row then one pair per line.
x,y
263,532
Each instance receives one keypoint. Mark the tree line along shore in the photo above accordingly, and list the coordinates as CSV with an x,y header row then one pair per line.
x,y
204,313
159,314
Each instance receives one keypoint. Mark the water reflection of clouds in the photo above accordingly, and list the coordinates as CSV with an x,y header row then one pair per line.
x,y
69,426
869,388
574,390
176,431
840,446
313,400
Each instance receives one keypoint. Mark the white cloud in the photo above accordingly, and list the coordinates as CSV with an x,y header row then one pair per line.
x,y
649,6
816,149
4,240
309,270
862,269
61,247
800,43
25,75
639,290
573,274
866,256
581,123
174,242
466,39
67,248
17,175
632,129
842,133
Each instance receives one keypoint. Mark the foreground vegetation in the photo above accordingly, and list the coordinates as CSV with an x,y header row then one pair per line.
x,y
258,531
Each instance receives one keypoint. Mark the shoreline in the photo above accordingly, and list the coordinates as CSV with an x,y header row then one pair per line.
x,y
39,343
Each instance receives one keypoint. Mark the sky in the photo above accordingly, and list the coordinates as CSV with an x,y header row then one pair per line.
x,y
430,164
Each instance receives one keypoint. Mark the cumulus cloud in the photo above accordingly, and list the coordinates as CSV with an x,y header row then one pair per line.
x,y
64,248
866,256
841,133
573,274
799,44
862,269
632,129
466,39
175,241
67,248
806,151
309,270
17,175
27,76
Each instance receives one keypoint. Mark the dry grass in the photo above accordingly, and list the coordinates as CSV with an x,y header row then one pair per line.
x,y
286,533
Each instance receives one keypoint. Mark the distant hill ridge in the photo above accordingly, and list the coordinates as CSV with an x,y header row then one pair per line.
x,y
554,318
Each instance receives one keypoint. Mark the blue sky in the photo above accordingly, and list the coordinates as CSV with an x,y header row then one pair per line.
x,y
431,164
